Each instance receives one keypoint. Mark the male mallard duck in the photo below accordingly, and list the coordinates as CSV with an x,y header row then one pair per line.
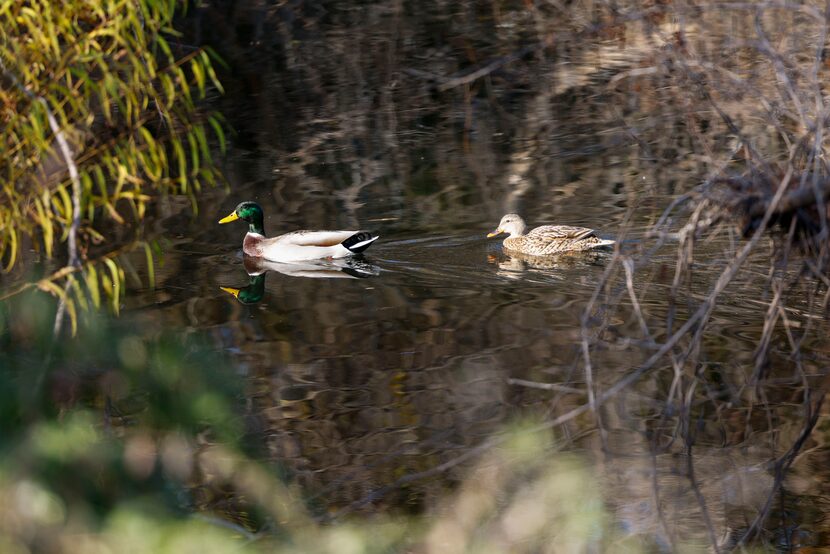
x,y
297,245
548,239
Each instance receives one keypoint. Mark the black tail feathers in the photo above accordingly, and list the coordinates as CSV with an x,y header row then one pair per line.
x,y
359,242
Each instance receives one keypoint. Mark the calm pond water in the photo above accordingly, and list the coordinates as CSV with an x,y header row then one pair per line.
x,y
435,340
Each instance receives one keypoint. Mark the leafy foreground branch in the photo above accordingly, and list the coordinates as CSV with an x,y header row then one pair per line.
x,y
99,118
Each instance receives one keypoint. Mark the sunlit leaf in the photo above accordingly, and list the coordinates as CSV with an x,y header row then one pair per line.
x,y
199,74
78,292
207,55
151,270
217,129
115,280
92,285
47,285
12,252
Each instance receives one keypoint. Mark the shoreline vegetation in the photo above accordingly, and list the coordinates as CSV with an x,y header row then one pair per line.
x,y
101,118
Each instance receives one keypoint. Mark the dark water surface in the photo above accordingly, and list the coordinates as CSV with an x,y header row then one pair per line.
x,y
354,383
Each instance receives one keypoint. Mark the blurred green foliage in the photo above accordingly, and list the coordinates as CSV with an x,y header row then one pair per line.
x,y
101,433
118,441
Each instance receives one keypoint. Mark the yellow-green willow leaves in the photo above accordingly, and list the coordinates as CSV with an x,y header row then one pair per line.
x,y
103,77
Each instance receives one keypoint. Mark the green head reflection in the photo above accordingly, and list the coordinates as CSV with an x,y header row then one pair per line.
x,y
250,294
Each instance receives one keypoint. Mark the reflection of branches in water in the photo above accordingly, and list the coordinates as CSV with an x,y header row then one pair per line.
x,y
812,412
750,109
792,197
787,189
684,347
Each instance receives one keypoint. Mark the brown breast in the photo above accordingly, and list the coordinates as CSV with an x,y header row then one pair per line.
x,y
252,245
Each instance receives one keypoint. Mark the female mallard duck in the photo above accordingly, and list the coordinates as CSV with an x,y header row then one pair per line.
x,y
297,245
548,239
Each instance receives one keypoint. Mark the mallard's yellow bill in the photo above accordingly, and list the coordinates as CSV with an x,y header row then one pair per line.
x,y
234,292
229,218
489,235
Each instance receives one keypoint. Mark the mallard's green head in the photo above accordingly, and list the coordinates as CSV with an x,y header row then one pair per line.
x,y
250,212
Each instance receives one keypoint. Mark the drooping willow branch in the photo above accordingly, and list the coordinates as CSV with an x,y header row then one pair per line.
x,y
73,260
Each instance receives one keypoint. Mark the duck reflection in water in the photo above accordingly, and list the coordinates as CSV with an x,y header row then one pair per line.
x,y
513,264
355,267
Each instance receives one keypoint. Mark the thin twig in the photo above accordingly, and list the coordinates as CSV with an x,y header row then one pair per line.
x,y
68,157
545,386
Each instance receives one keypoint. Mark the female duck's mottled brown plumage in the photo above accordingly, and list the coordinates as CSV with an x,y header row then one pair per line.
x,y
548,239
